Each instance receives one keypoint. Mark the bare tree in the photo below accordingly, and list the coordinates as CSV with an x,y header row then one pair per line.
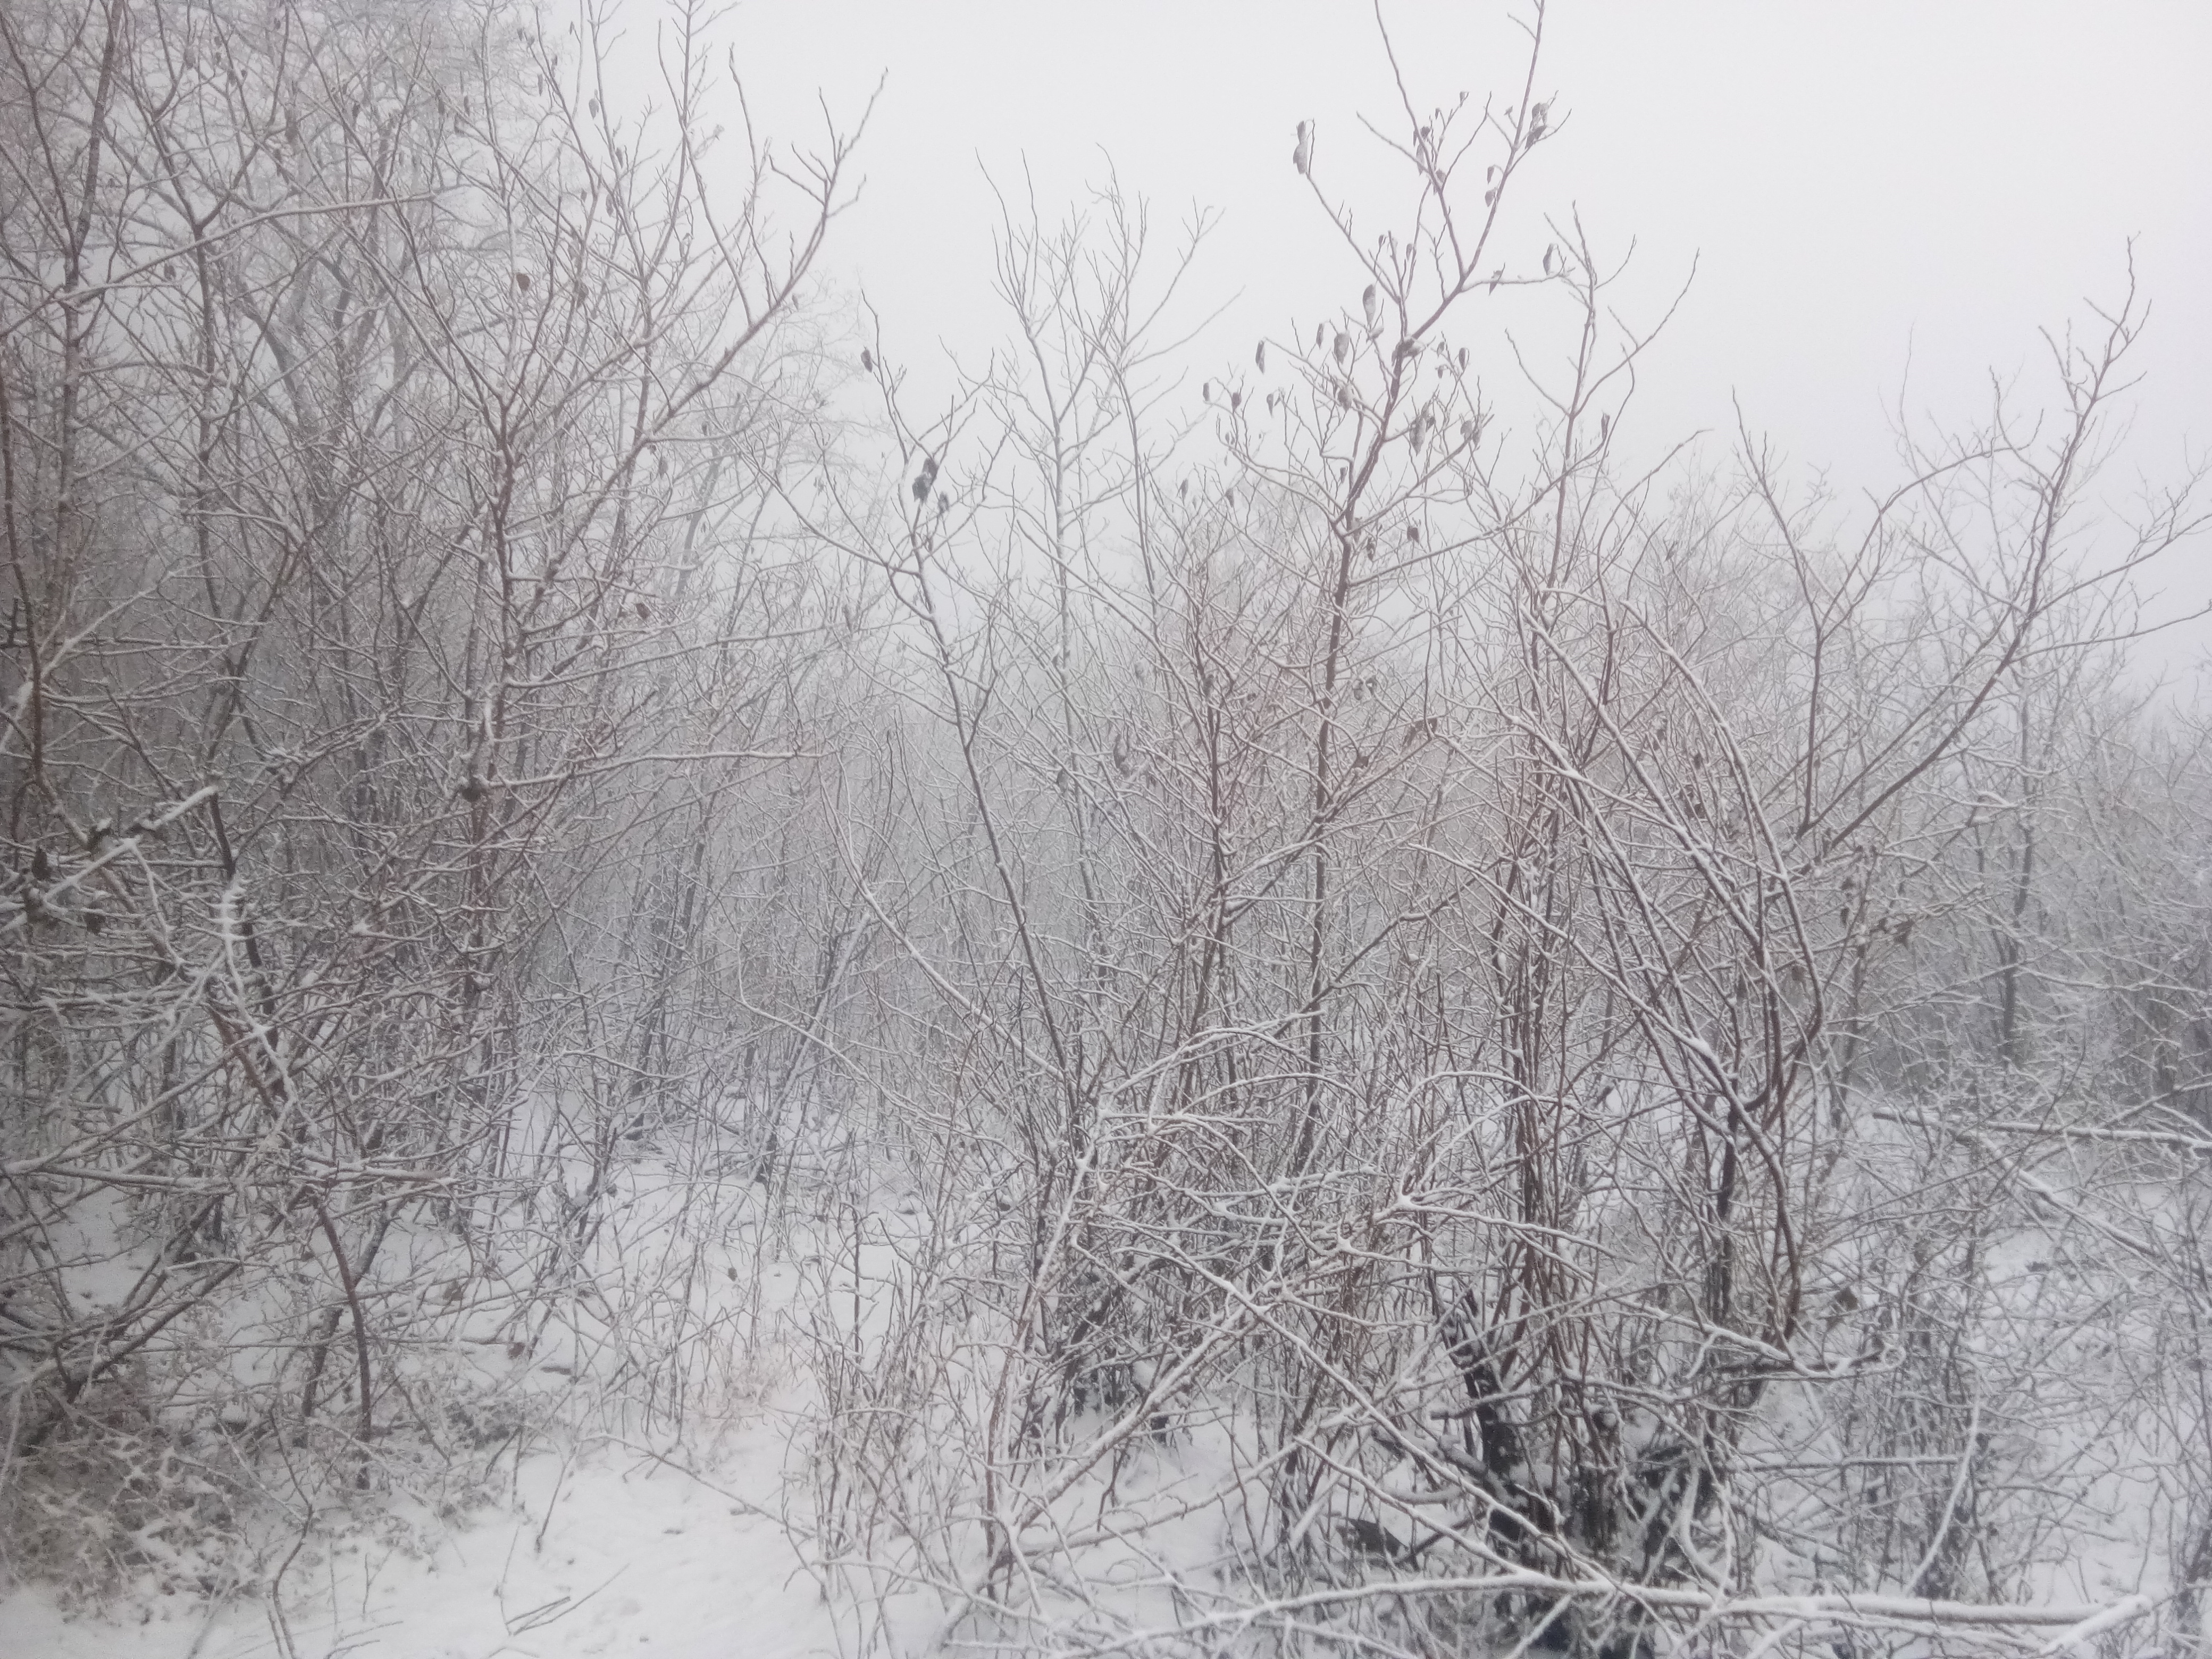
x,y
1453,971
363,640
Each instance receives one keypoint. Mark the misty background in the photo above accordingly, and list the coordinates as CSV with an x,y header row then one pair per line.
x,y
1883,204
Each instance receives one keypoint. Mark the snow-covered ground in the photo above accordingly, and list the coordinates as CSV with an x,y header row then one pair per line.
x,y
610,1550
610,1542
600,1542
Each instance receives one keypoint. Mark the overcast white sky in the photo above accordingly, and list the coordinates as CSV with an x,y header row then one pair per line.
x,y
1865,186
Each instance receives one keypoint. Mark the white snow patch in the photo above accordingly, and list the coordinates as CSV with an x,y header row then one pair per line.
x,y
617,1553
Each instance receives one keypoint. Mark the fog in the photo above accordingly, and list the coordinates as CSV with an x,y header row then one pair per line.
x,y
1876,209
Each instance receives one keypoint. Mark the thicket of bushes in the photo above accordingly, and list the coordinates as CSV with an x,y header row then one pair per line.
x,y
1480,1047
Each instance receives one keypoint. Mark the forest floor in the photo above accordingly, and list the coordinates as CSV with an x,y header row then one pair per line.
x,y
610,1549
592,1542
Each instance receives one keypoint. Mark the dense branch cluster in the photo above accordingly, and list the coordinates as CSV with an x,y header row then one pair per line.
x,y
1370,1031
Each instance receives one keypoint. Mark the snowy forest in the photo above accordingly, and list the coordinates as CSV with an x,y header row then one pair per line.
x,y
1274,1008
